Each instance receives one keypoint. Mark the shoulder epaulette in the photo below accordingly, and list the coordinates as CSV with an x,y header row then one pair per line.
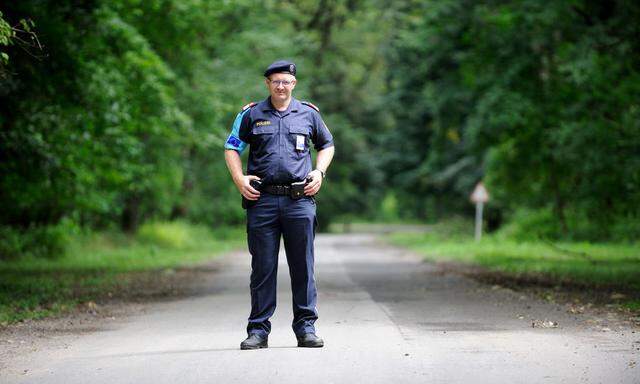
x,y
251,104
311,105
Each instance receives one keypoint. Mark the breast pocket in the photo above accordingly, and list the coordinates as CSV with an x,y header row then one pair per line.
x,y
263,140
299,141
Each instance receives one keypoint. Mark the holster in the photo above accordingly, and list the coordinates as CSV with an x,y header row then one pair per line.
x,y
297,190
257,185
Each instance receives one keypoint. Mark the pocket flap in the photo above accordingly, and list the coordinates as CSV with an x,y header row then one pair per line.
x,y
263,130
299,130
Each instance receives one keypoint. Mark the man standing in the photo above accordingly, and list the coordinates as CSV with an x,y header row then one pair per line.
x,y
278,193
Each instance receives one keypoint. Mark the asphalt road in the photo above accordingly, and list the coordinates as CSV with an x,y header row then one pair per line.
x,y
385,316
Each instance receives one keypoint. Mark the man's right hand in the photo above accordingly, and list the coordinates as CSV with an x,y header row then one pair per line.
x,y
246,189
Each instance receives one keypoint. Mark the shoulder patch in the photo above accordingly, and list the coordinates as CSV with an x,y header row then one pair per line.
x,y
251,104
311,105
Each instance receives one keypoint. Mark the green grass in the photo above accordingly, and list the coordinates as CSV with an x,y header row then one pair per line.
x,y
597,265
633,305
93,264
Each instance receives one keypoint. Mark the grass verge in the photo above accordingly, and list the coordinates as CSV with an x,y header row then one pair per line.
x,y
607,267
97,263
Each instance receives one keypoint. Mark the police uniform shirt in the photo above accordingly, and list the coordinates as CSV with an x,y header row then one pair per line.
x,y
279,141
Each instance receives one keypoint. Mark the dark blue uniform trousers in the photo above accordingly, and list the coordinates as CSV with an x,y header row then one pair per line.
x,y
267,219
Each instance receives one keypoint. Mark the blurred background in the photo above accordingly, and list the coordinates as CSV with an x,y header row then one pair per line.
x,y
113,114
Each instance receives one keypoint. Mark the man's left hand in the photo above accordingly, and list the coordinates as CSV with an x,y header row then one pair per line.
x,y
314,186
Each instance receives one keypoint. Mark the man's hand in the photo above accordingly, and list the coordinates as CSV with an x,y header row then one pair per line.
x,y
246,189
314,186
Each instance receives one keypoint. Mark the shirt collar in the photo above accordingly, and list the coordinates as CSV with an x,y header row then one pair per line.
x,y
294,105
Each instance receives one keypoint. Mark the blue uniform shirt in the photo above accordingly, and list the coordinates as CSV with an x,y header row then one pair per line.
x,y
279,141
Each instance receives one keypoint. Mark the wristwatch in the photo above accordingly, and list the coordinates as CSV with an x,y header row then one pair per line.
x,y
323,174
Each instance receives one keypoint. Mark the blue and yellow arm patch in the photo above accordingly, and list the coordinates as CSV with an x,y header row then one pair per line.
x,y
233,141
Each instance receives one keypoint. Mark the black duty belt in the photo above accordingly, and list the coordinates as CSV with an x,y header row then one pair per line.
x,y
293,190
275,189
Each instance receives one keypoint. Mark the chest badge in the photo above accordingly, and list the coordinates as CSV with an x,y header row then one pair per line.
x,y
300,142
262,123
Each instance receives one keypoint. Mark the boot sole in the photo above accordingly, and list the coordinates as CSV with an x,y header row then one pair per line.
x,y
245,347
301,345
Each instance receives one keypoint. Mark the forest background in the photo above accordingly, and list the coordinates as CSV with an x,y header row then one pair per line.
x,y
113,113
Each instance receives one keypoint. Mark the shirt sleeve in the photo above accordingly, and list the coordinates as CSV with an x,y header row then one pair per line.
x,y
321,137
238,139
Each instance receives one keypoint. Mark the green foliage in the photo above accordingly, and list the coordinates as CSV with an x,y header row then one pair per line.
x,y
389,208
175,235
44,241
123,118
6,33
537,98
531,225
113,113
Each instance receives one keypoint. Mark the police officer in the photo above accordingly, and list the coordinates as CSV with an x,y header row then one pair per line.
x,y
279,131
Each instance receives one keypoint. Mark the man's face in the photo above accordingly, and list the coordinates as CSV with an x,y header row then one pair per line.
x,y
280,86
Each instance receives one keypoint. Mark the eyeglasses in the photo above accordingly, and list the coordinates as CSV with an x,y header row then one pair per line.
x,y
284,83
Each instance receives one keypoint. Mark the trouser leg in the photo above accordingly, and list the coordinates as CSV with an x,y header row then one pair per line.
x,y
263,235
298,230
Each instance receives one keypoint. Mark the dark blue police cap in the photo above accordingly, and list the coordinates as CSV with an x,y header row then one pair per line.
x,y
281,66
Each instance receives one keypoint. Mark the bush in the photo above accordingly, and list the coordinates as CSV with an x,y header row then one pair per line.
x,y
527,224
177,235
626,229
47,241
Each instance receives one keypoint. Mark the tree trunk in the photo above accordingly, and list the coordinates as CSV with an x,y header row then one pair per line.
x,y
130,219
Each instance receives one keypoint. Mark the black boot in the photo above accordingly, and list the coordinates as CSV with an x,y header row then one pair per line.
x,y
254,341
310,340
